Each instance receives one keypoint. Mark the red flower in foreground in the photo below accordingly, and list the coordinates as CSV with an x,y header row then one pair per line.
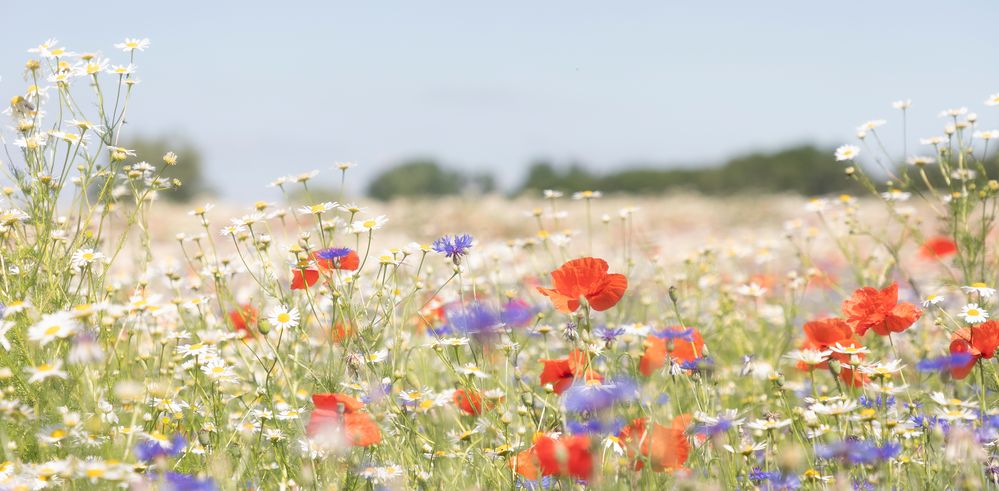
x,y
870,308
343,413
665,448
243,318
822,334
303,278
938,247
980,342
679,349
348,262
563,371
470,402
341,332
567,456
585,277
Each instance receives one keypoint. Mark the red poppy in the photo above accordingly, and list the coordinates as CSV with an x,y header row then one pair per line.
x,y
567,456
341,332
525,463
433,313
302,279
562,372
665,448
585,277
679,349
305,278
822,334
470,402
341,409
243,318
869,308
350,262
980,342
938,247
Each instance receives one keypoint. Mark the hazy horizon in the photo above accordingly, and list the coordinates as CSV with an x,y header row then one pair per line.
x,y
266,92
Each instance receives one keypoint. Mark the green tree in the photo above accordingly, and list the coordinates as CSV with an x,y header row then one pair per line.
x,y
189,168
423,177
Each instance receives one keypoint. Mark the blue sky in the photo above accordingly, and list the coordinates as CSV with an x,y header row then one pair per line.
x,y
266,91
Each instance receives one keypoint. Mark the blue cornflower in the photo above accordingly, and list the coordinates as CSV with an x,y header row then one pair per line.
x,y
588,396
331,253
946,362
594,427
454,246
475,318
880,401
175,481
721,426
698,364
150,450
758,475
544,483
607,334
517,313
858,451
673,334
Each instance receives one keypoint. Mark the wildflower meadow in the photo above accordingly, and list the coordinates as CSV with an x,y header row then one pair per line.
x,y
568,341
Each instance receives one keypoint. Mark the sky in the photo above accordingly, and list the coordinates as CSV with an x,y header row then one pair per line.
x,y
266,89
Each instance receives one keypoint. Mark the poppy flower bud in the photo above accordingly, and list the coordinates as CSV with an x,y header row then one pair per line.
x,y
834,367
673,294
204,438
264,327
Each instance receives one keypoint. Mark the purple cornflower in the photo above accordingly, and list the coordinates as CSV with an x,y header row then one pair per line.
x,y
607,334
702,364
594,427
150,450
719,427
946,362
331,253
544,482
858,451
472,319
880,401
175,481
453,246
589,397
673,334
517,313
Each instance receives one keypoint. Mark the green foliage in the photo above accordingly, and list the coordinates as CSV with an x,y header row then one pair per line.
x,y
189,168
425,177
802,169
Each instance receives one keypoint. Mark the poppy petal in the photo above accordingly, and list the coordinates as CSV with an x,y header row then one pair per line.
x,y
609,293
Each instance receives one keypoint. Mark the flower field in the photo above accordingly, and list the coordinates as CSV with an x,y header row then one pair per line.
x,y
564,341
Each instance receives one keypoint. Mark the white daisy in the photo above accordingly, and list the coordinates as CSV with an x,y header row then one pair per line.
x,y
46,370
282,317
85,257
133,44
983,290
59,325
932,299
973,314
847,152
